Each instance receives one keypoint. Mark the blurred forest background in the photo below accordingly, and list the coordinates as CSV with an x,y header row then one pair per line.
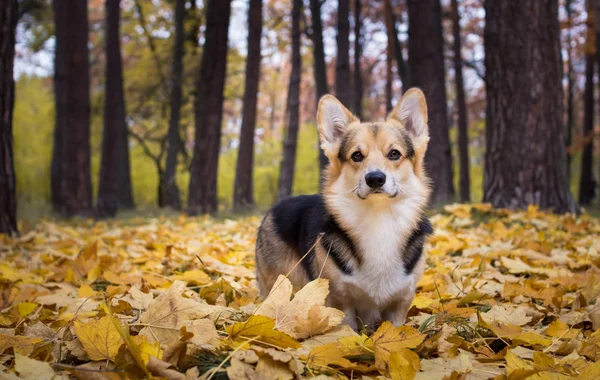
x,y
218,97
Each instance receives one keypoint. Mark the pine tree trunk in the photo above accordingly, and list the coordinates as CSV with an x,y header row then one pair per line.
x,y
319,68
587,184
392,32
71,160
288,164
202,196
342,66
525,159
114,191
389,74
463,137
570,87
8,196
242,191
358,80
169,187
426,65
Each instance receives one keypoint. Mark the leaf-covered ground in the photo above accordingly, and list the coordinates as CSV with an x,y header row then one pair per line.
x,y
505,295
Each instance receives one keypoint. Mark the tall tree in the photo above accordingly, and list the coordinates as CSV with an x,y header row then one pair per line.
x,y
288,164
342,65
587,185
202,196
319,69
570,86
525,161
71,182
8,200
114,190
169,187
358,79
463,137
242,194
392,32
426,65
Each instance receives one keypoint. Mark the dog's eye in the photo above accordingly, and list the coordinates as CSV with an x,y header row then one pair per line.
x,y
394,155
357,156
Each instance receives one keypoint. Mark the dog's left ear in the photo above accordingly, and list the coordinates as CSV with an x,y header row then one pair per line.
x,y
411,111
332,120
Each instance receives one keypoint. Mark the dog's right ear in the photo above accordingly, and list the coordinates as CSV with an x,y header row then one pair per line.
x,y
332,120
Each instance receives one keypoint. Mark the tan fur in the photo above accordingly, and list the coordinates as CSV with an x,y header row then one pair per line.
x,y
405,130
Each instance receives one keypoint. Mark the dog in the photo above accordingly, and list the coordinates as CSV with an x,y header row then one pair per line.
x,y
367,229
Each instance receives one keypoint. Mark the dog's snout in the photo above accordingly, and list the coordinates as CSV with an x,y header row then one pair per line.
x,y
375,179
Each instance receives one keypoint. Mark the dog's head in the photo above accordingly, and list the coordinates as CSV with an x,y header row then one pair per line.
x,y
379,161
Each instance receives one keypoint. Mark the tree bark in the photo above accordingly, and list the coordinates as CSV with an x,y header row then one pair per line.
x,y
169,187
358,80
570,87
320,70
392,32
71,160
389,77
288,165
463,137
209,110
525,160
426,65
587,185
8,196
114,190
243,197
342,65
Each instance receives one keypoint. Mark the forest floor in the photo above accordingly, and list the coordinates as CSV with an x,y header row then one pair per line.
x,y
505,295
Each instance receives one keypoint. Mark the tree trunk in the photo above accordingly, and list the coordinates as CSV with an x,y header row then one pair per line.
x,y
463,137
71,160
242,192
570,88
114,190
597,35
358,81
288,165
525,160
426,64
392,32
342,65
587,184
209,110
319,69
169,187
389,77
8,195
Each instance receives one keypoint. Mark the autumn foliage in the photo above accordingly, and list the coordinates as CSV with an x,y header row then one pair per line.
x,y
506,295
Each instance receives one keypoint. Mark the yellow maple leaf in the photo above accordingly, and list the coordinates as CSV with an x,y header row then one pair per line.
x,y
529,338
404,364
100,338
193,277
559,329
289,313
262,329
388,339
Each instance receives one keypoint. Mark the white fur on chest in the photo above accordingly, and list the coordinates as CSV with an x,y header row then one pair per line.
x,y
381,233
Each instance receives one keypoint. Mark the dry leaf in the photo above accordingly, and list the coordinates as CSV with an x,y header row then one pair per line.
x,y
261,329
100,338
29,369
388,339
292,316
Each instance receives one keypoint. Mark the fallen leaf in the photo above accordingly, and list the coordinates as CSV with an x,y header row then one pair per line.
x,y
100,338
261,329
292,316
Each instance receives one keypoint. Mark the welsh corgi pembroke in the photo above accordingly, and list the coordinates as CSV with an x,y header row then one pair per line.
x,y
366,231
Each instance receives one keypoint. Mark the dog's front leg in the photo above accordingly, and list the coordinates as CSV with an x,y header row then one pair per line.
x,y
350,319
397,311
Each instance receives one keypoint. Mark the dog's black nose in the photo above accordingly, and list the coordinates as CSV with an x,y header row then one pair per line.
x,y
375,179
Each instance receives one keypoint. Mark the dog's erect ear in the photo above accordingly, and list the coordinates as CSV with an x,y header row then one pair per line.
x,y
332,119
411,111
